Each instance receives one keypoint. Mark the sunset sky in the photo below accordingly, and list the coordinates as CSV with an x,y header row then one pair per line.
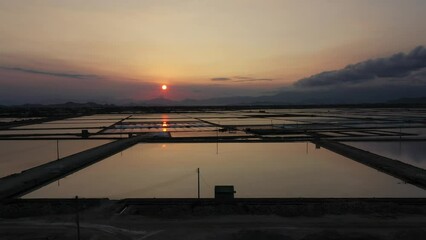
x,y
118,51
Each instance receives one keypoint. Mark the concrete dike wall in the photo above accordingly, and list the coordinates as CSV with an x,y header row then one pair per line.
x,y
398,169
19,184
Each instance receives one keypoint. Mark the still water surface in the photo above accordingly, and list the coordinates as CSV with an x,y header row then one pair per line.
x,y
17,156
255,169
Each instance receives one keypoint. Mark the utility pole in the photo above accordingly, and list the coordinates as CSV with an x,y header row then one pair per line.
x,y
198,173
217,139
307,151
77,217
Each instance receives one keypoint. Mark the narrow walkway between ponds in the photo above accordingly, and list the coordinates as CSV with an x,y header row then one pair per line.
x,y
403,171
112,125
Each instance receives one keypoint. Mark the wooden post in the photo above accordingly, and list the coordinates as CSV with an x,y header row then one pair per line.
x,y
57,149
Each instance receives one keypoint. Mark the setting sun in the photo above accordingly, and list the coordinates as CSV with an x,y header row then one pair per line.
x,y
164,87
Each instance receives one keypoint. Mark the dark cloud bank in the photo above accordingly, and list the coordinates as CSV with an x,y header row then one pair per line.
x,y
376,80
397,66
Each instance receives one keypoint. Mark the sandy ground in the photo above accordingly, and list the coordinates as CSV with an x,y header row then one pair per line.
x,y
307,219
232,227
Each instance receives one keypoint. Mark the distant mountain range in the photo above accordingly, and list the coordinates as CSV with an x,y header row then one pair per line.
x,y
271,100
421,100
228,101
66,105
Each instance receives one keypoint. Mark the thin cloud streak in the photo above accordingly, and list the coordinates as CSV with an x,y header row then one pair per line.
x,y
55,74
219,79
241,79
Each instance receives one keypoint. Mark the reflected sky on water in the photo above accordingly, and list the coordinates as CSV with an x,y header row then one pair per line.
x,y
17,156
255,169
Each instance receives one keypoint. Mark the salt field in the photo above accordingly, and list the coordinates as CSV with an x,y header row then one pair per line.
x,y
263,153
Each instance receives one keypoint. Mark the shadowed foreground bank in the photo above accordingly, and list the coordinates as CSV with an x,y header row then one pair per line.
x,y
383,218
